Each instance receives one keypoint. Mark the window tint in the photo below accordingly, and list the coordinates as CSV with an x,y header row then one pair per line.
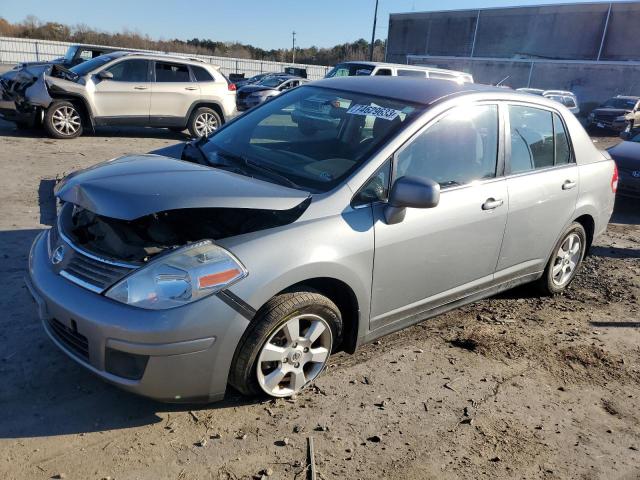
x,y
172,72
384,71
532,143
377,188
563,153
130,71
411,73
201,74
460,148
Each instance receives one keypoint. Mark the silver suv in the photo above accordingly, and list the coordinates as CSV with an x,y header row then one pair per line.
x,y
251,255
121,88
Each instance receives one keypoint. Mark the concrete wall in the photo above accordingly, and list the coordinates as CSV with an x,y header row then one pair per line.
x,y
597,40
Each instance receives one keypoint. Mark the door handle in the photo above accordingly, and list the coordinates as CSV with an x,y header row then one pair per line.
x,y
568,184
492,203
140,87
190,88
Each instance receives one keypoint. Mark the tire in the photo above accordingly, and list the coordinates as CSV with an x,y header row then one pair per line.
x,y
63,120
203,122
559,272
250,375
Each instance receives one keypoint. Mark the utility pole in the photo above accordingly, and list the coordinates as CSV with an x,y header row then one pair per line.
x,y
293,50
373,33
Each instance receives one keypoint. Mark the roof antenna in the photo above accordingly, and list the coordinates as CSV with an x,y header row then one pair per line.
x,y
503,80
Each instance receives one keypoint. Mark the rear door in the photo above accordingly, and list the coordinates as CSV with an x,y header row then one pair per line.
x,y
173,92
125,97
543,188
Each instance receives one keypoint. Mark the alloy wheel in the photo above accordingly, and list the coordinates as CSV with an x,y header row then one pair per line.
x,y
294,355
205,124
566,260
66,120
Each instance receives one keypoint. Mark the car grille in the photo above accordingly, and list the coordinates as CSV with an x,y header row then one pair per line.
x,y
94,272
84,269
607,117
242,95
70,338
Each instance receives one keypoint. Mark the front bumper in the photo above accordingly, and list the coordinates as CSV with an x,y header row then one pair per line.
x,y
617,125
248,102
187,351
628,185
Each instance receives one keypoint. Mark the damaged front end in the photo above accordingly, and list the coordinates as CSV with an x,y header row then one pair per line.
x,y
146,215
27,92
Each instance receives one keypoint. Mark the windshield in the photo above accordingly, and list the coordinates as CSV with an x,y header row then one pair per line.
x,y
349,70
271,81
90,65
622,103
310,137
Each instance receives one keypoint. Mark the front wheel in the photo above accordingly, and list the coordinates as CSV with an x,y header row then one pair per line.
x,y
287,345
565,260
63,120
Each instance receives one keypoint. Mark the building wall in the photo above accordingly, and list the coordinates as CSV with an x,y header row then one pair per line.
x,y
528,45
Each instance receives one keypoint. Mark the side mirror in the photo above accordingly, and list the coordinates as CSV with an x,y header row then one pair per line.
x,y
410,192
105,75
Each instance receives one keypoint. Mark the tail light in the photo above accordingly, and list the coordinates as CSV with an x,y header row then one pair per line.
x,y
232,87
614,179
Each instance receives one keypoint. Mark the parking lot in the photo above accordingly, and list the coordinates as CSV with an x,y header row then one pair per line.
x,y
515,386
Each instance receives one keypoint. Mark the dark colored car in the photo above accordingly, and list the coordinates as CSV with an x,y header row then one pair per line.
x,y
270,86
617,113
255,79
627,157
75,55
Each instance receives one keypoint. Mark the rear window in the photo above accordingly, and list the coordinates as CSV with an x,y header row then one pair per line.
x,y
172,72
350,70
201,74
412,73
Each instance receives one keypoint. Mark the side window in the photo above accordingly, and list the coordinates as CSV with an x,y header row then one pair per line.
x,y
201,74
562,150
172,72
412,73
459,148
384,71
376,189
130,71
532,144
85,55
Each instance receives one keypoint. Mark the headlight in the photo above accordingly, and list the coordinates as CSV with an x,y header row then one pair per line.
x,y
184,276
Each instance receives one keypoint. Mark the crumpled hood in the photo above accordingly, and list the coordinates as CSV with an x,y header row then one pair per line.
x,y
626,155
133,186
255,88
610,111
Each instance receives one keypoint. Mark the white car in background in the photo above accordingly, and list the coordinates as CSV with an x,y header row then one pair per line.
x,y
566,98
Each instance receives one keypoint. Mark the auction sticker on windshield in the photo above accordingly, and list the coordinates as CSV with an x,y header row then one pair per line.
x,y
378,112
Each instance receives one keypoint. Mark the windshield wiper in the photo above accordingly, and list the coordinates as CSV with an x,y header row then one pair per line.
x,y
243,161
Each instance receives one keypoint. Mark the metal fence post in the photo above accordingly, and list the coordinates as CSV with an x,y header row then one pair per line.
x,y
37,52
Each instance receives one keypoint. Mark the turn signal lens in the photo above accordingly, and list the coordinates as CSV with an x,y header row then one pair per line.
x,y
614,179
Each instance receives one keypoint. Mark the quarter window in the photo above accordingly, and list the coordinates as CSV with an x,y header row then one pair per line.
x,y
130,71
384,72
377,188
201,74
172,72
562,150
538,139
459,148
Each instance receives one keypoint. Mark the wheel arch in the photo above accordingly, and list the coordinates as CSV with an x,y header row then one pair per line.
x,y
589,225
209,104
79,101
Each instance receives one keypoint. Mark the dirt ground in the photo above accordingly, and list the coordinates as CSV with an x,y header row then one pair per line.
x,y
512,387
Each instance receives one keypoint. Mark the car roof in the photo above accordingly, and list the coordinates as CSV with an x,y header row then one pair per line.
x,y
403,65
160,56
416,90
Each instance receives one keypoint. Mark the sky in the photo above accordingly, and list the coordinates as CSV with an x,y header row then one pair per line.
x,y
265,24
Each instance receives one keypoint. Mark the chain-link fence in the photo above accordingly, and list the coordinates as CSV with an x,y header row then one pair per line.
x,y
15,50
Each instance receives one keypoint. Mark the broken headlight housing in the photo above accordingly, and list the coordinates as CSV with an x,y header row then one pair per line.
x,y
183,276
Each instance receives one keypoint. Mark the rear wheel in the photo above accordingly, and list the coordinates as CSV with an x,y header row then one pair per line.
x,y
287,345
63,120
203,122
565,260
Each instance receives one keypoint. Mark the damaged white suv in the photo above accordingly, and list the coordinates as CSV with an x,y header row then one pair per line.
x,y
120,88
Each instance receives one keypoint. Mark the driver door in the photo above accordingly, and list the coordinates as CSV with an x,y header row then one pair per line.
x,y
125,98
438,255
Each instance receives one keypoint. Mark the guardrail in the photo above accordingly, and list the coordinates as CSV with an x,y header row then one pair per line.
x,y
15,50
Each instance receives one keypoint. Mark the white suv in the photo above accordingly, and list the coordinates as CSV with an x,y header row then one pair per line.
x,y
125,88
